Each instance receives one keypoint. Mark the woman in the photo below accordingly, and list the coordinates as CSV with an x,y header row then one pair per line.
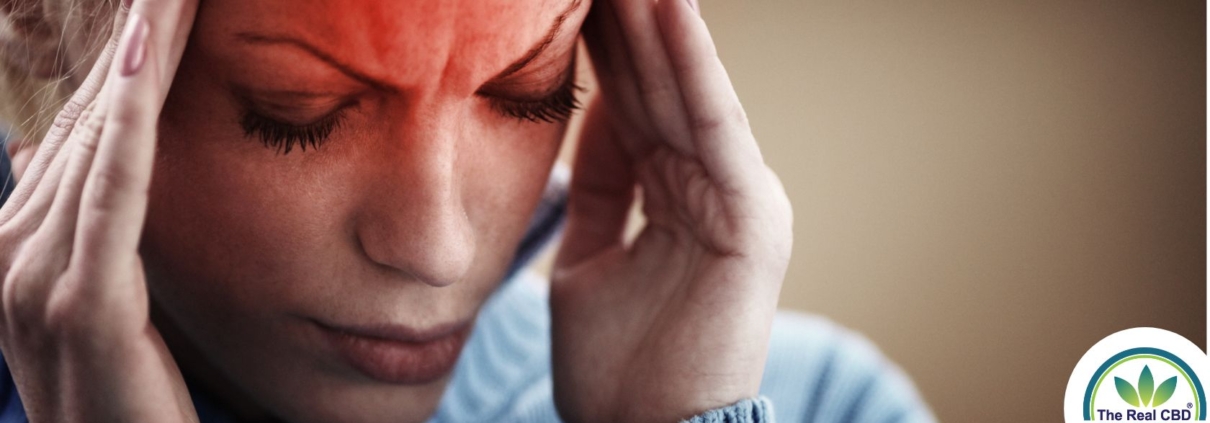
x,y
339,190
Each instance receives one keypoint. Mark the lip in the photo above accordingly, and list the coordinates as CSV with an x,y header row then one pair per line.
x,y
399,354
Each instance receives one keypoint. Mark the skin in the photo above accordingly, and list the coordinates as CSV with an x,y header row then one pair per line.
x,y
408,213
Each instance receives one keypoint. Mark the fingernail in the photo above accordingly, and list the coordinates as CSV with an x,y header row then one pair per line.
x,y
135,44
127,3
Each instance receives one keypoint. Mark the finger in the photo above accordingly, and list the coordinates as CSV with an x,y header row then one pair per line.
x,y
615,73
602,190
114,203
721,134
114,196
37,186
59,224
654,74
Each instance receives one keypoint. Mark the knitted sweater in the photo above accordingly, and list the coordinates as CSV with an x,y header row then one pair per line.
x,y
816,372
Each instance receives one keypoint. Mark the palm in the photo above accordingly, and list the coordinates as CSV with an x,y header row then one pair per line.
x,y
677,321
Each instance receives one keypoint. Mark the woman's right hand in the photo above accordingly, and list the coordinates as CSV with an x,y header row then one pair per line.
x,y
75,327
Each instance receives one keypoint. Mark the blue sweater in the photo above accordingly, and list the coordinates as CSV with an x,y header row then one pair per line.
x,y
816,372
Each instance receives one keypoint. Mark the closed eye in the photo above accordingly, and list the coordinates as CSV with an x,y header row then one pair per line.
x,y
554,105
282,136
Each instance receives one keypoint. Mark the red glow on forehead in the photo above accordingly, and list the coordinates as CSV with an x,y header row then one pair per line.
x,y
414,43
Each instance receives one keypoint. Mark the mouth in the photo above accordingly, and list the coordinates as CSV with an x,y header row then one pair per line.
x,y
399,354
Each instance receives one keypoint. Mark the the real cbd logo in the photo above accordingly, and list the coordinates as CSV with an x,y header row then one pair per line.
x,y
1145,394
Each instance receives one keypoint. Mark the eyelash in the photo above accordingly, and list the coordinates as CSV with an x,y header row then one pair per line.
x,y
556,107
282,137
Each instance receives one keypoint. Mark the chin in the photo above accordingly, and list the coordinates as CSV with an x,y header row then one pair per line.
x,y
366,404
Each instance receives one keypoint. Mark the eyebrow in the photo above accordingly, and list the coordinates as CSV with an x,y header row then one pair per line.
x,y
533,53
263,39
537,50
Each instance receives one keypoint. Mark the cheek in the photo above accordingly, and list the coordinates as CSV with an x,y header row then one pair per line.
x,y
226,231
229,224
504,181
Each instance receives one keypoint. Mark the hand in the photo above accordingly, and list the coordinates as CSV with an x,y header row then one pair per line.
x,y
75,328
677,322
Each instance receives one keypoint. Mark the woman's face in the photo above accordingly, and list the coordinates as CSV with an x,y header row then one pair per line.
x,y
365,166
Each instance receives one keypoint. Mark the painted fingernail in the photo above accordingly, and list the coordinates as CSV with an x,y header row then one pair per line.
x,y
135,43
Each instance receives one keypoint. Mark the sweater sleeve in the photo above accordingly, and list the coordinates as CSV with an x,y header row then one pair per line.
x,y
820,372
752,410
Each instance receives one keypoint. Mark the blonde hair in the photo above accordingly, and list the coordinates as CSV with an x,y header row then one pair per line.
x,y
74,31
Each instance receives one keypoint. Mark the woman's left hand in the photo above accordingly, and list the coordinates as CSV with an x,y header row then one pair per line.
x,y
677,322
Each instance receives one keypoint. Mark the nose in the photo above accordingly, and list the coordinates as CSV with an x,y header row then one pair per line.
x,y
413,220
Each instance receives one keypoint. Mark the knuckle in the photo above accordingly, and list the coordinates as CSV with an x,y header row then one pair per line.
x,y
46,300
11,237
81,310
70,312
75,110
111,187
8,211
22,302
732,115
87,134
66,119
653,88
64,319
123,118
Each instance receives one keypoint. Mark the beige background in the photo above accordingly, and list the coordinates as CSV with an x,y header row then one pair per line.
x,y
984,188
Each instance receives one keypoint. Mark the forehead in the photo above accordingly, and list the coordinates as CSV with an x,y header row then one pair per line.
x,y
402,40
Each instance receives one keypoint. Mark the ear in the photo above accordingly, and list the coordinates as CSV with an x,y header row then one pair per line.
x,y
28,44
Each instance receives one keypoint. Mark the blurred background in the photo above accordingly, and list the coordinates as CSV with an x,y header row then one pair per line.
x,y
984,188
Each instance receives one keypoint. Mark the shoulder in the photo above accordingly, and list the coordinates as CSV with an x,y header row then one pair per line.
x,y
820,372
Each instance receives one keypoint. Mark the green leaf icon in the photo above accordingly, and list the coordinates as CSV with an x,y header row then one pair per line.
x,y
1146,386
1126,391
1164,391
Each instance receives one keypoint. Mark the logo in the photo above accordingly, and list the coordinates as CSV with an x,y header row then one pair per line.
x,y
1140,374
1141,395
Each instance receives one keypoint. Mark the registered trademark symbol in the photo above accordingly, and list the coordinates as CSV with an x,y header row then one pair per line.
x,y
1189,405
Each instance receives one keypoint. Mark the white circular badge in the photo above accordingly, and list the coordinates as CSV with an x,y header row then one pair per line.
x,y
1140,374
